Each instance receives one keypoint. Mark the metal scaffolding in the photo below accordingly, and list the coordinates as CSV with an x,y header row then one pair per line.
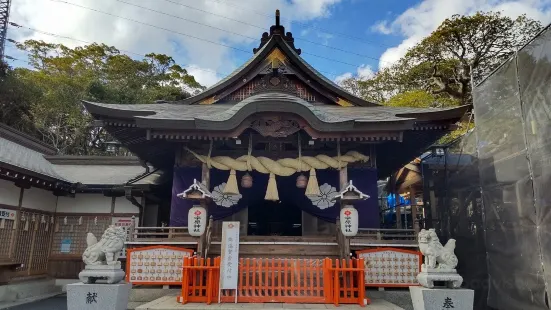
x,y
4,19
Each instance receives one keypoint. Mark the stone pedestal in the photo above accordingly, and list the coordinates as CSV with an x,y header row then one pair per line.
x,y
82,296
449,277
106,273
441,298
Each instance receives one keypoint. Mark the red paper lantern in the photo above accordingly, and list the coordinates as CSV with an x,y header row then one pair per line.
x,y
302,180
247,181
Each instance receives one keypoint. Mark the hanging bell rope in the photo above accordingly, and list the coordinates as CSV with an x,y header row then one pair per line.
x,y
247,179
301,179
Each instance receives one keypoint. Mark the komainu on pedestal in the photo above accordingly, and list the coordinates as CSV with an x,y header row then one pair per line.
x,y
440,261
440,282
100,256
102,265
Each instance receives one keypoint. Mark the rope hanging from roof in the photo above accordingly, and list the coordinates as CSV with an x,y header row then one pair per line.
x,y
281,167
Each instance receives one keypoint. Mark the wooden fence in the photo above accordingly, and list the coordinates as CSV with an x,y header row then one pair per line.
x,y
277,280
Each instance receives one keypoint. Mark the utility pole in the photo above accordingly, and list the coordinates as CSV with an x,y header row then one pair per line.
x,y
4,19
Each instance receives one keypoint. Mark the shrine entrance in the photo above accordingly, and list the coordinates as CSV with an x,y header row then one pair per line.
x,y
275,218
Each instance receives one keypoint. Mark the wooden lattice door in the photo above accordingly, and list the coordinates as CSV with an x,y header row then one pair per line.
x,y
33,243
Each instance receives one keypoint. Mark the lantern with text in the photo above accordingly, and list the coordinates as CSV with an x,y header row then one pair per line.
x,y
197,221
197,216
349,221
349,215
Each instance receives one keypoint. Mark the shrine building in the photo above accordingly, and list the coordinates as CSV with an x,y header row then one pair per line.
x,y
273,143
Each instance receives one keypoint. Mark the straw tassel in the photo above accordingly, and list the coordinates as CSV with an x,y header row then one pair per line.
x,y
312,188
231,185
271,191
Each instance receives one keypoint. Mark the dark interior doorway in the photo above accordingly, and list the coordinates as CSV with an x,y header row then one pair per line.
x,y
275,218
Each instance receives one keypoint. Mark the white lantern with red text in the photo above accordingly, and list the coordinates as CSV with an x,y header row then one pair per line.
x,y
349,221
197,221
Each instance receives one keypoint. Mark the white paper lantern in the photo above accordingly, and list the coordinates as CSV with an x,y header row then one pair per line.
x,y
349,221
197,221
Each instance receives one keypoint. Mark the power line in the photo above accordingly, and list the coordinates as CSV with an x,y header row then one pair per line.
x,y
191,36
259,27
88,42
323,30
249,37
125,51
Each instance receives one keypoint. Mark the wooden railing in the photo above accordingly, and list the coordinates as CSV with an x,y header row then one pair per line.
x,y
277,280
393,237
158,233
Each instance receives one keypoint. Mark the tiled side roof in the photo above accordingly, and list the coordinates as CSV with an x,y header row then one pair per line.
x,y
19,156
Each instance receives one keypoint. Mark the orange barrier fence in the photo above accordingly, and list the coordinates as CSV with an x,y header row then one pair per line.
x,y
277,280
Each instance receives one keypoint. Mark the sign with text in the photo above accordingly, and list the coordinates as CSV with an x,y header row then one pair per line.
x,y
8,214
156,265
230,255
391,267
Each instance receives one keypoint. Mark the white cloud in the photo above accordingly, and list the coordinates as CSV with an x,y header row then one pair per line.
x,y
419,21
343,77
382,27
87,25
362,72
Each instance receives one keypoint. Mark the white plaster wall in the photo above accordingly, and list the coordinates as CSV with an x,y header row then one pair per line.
x,y
9,193
84,203
39,199
122,205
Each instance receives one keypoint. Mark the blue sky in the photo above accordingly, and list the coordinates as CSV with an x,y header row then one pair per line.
x,y
374,32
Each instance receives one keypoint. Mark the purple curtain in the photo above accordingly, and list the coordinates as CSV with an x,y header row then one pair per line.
x,y
288,193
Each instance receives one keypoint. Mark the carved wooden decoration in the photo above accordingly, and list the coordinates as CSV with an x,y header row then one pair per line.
x,y
278,128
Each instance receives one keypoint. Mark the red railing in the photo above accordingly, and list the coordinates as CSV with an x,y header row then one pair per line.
x,y
277,280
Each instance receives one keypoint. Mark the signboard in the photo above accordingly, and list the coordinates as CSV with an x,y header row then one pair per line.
x,y
161,265
65,246
126,223
8,214
390,267
230,255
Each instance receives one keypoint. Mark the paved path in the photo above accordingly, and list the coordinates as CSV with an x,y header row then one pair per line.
x,y
54,303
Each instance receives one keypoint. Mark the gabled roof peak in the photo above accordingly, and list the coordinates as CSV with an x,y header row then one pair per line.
x,y
277,30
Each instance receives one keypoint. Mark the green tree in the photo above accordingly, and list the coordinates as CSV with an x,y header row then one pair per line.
x,y
442,62
61,77
467,45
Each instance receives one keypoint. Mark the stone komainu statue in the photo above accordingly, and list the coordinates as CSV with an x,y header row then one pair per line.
x,y
437,255
104,251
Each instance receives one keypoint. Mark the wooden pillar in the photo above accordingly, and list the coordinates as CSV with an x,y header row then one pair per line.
x,y
343,182
415,222
205,179
343,178
396,201
17,222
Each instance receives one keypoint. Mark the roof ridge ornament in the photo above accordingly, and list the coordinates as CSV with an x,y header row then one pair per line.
x,y
277,30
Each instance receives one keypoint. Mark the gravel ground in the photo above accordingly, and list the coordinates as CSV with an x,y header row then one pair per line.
x,y
399,297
